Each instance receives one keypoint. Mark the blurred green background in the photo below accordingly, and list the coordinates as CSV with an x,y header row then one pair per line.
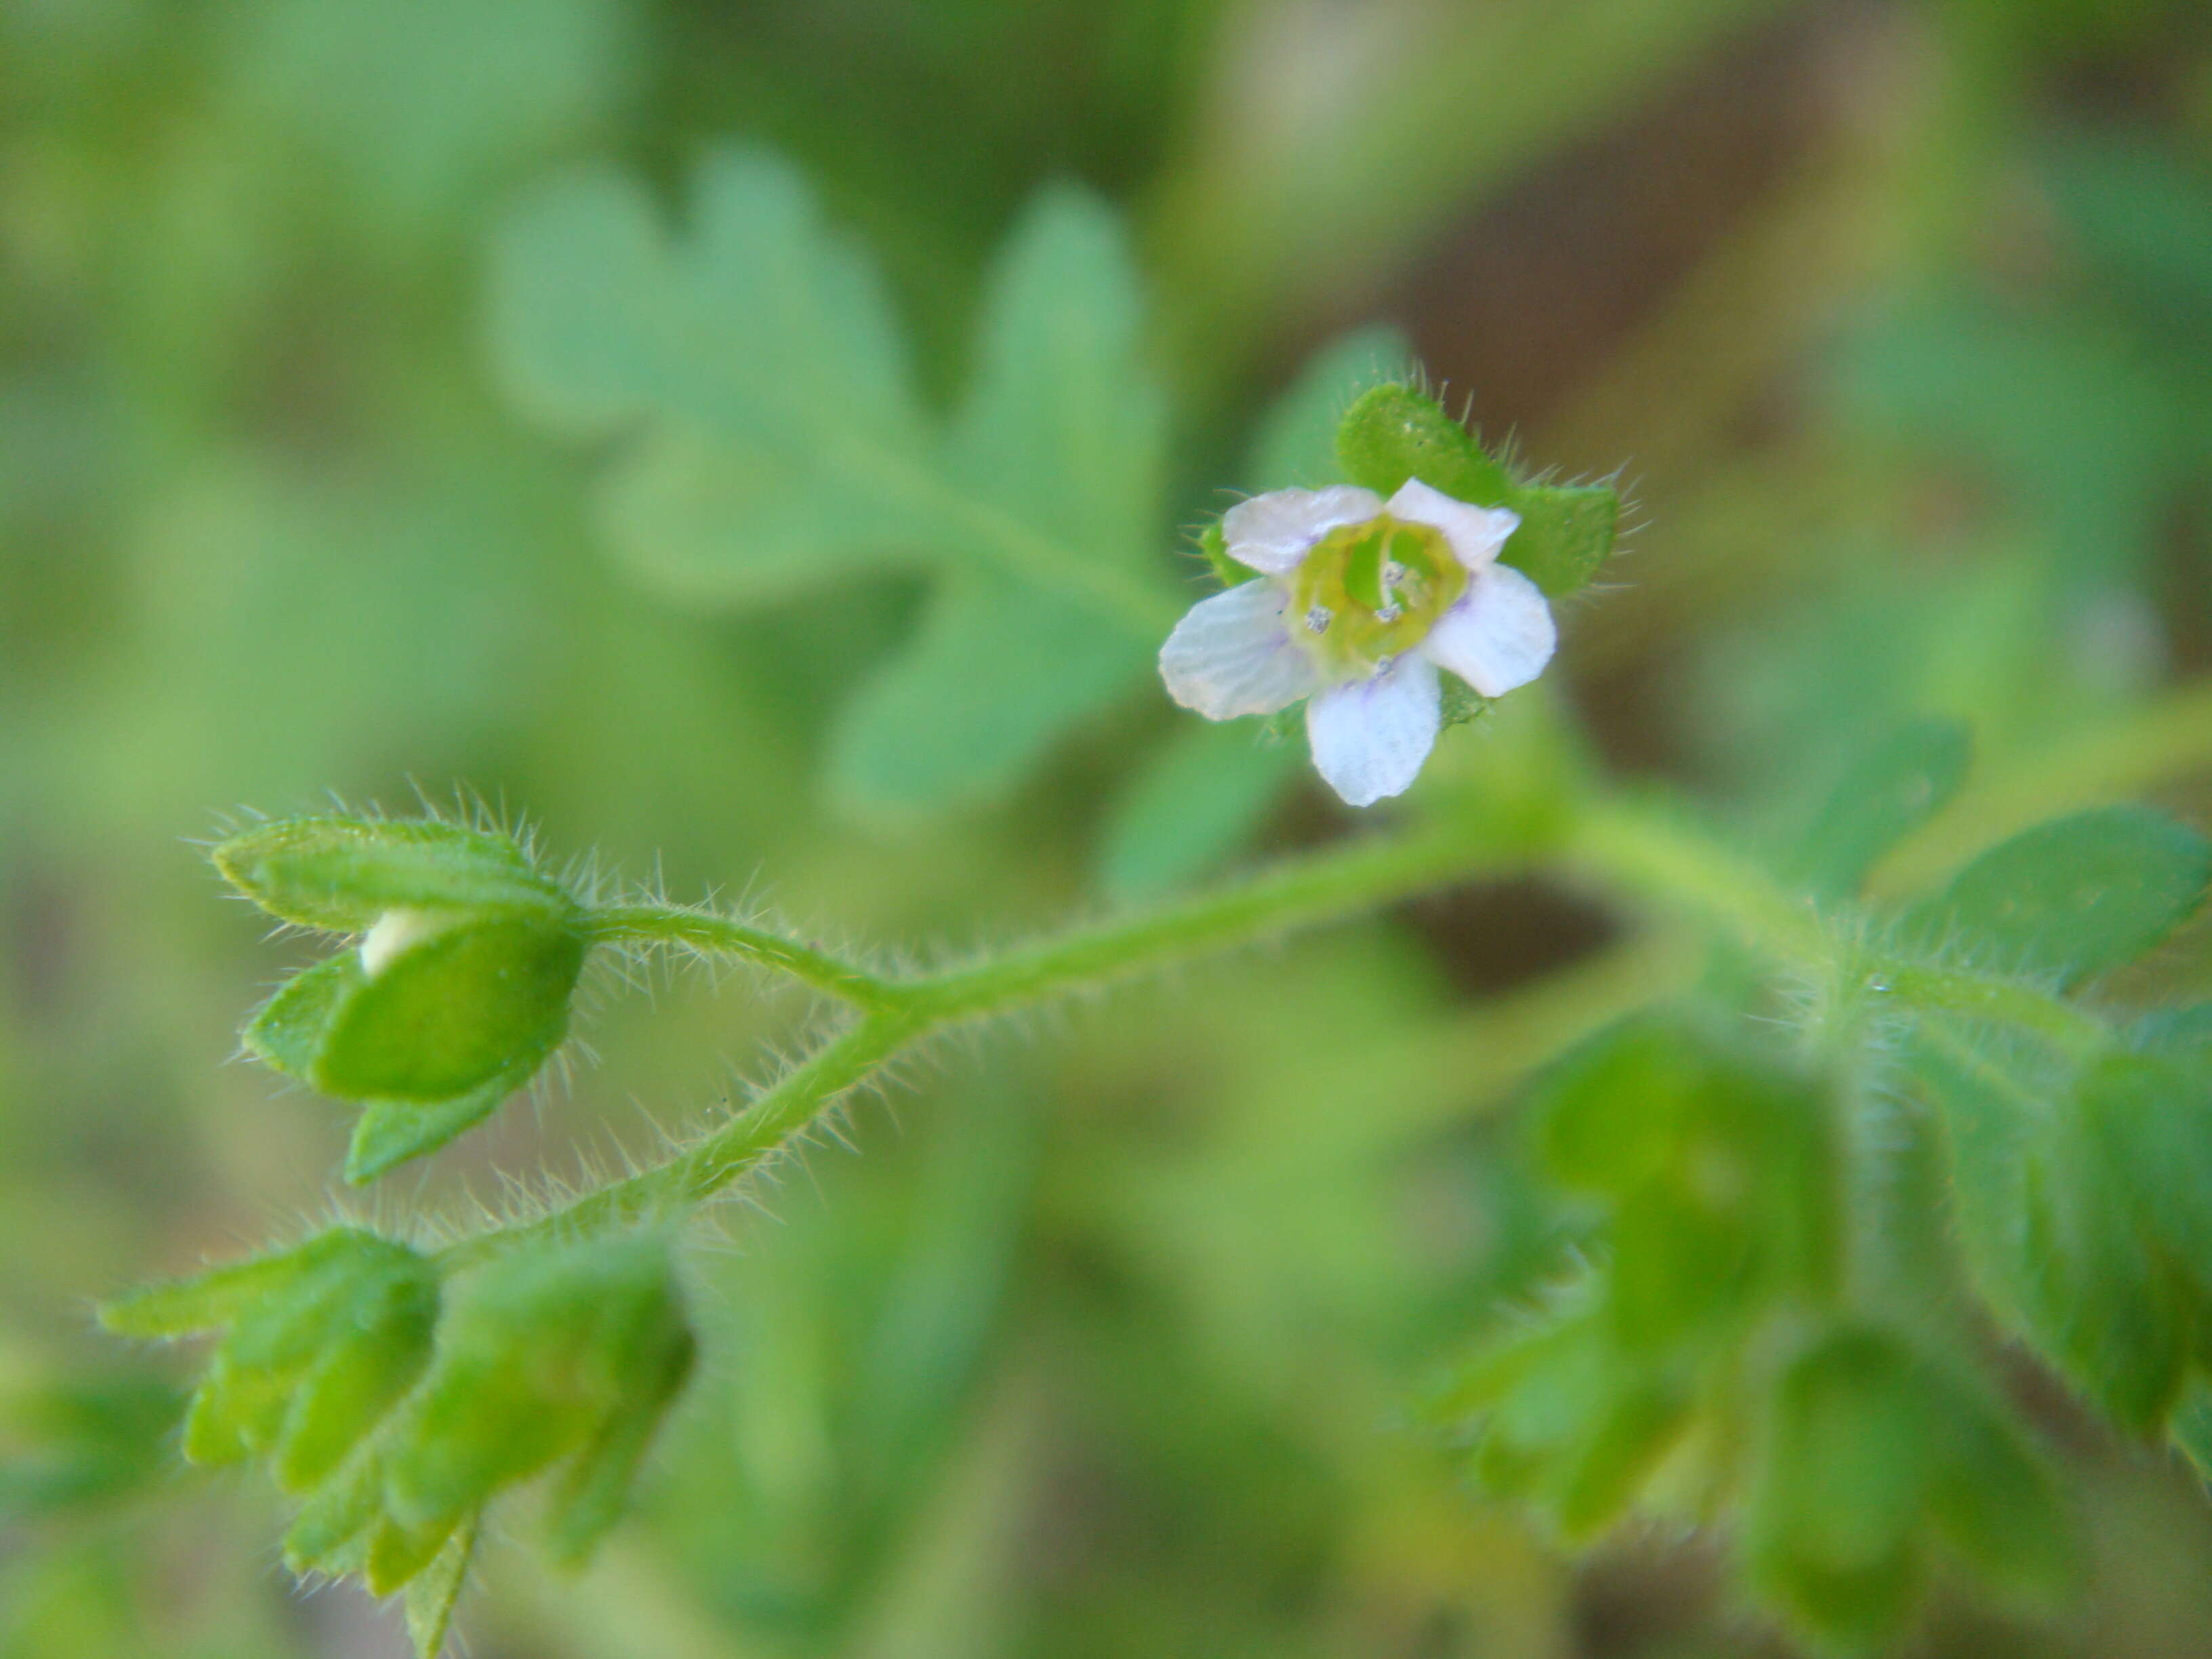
x,y
1897,317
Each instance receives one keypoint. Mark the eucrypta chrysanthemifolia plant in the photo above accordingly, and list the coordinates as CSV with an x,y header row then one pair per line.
x,y
1764,1328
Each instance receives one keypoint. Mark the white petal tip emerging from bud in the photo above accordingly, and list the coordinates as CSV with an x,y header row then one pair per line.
x,y
394,932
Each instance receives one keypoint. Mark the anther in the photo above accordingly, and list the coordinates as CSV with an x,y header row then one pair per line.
x,y
1390,612
1318,619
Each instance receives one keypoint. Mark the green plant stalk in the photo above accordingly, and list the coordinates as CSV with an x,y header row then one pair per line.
x,y
723,936
1656,855
1624,846
899,1013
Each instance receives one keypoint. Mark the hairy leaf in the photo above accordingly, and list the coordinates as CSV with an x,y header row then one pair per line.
x,y
2075,897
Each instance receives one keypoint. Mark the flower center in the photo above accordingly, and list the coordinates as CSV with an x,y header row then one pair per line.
x,y
1368,591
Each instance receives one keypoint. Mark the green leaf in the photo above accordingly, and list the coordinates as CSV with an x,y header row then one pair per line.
x,y
1062,432
1294,446
712,522
453,1013
1565,536
998,672
763,326
432,1593
389,1133
1892,787
770,443
74,1442
2151,1117
2191,1426
1395,432
1195,801
2075,897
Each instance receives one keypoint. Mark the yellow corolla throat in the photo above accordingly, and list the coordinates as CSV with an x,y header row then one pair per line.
x,y
1367,592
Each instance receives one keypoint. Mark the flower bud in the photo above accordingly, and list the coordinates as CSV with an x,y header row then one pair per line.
x,y
321,1341
460,988
570,1351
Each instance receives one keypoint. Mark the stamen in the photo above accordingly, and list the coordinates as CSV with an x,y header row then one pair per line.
x,y
1318,618
1383,664
1390,612
1393,573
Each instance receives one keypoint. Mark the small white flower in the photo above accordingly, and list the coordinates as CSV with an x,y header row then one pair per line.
x,y
1358,603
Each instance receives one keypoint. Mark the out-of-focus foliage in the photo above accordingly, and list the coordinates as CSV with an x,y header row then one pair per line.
x,y
1899,317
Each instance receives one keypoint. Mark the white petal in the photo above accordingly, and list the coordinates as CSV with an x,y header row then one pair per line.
x,y
1272,533
1370,738
1476,533
1499,636
1233,654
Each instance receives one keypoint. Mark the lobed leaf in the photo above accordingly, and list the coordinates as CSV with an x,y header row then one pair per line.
x,y
1193,801
771,442
1893,785
2077,897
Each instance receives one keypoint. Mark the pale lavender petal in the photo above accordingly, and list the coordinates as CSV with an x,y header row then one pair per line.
x,y
1499,636
1476,533
1369,738
1233,654
1274,532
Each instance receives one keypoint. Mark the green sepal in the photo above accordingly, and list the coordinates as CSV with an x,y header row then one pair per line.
x,y
1566,534
2075,897
1214,545
397,1550
1294,443
452,1013
339,874
592,1493
330,1532
1991,1500
1835,1520
1620,1449
323,1341
1606,1116
1459,703
390,1133
1715,1161
205,1301
1395,432
433,1592
365,1366
288,1031
548,1350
